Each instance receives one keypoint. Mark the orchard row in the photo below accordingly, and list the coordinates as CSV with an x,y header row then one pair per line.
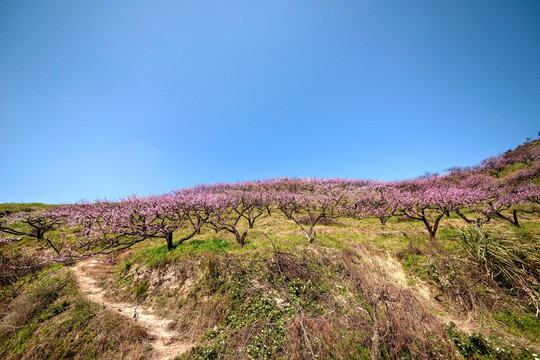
x,y
477,195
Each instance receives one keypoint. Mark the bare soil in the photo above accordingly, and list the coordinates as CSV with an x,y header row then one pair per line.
x,y
165,343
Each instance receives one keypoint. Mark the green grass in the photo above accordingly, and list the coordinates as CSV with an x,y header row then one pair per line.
x,y
416,264
12,207
157,255
526,325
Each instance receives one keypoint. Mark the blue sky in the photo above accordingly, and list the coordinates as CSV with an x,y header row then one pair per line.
x,y
102,99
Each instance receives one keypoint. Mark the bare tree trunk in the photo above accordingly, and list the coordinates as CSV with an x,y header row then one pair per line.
x,y
516,222
461,215
169,238
311,235
240,239
51,244
432,229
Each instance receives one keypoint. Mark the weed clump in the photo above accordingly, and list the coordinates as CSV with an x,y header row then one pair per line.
x,y
511,260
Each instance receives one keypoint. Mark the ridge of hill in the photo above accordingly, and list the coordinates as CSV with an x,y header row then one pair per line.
x,y
362,289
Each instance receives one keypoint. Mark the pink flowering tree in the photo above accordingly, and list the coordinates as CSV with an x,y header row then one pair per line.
x,y
428,200
378,199
188,214
107,227
225,210
505,200
295,207
34,224
254,204
469,196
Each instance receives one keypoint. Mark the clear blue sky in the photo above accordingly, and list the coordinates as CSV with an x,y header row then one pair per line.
x,y
108,98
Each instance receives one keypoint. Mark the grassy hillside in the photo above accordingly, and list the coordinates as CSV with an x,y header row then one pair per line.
x,y
361,290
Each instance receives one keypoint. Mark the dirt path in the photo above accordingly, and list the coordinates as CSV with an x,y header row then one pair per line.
x,y
164,344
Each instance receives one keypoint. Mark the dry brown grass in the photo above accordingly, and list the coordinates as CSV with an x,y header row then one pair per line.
x,y
21,311
344,305
105,335
400,323
48,319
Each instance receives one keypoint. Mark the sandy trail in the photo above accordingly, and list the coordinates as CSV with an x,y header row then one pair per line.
x,y
165,344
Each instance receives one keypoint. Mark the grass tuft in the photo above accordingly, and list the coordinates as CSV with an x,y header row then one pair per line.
x,y
511,259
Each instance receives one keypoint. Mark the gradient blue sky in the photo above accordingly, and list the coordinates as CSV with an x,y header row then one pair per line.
x,y
107,98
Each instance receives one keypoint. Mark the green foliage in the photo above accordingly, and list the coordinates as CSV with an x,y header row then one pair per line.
x,y
448,233
416,264
22,318
249,312
126,267
442,275
209,246
50,321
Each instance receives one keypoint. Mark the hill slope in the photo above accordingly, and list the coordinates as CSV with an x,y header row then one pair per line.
x,y
360,289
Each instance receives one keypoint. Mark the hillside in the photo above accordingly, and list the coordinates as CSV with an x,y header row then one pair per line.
x,y
445,266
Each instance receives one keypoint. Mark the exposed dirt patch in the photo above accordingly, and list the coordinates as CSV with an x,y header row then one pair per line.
x,y
165,343
431,298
